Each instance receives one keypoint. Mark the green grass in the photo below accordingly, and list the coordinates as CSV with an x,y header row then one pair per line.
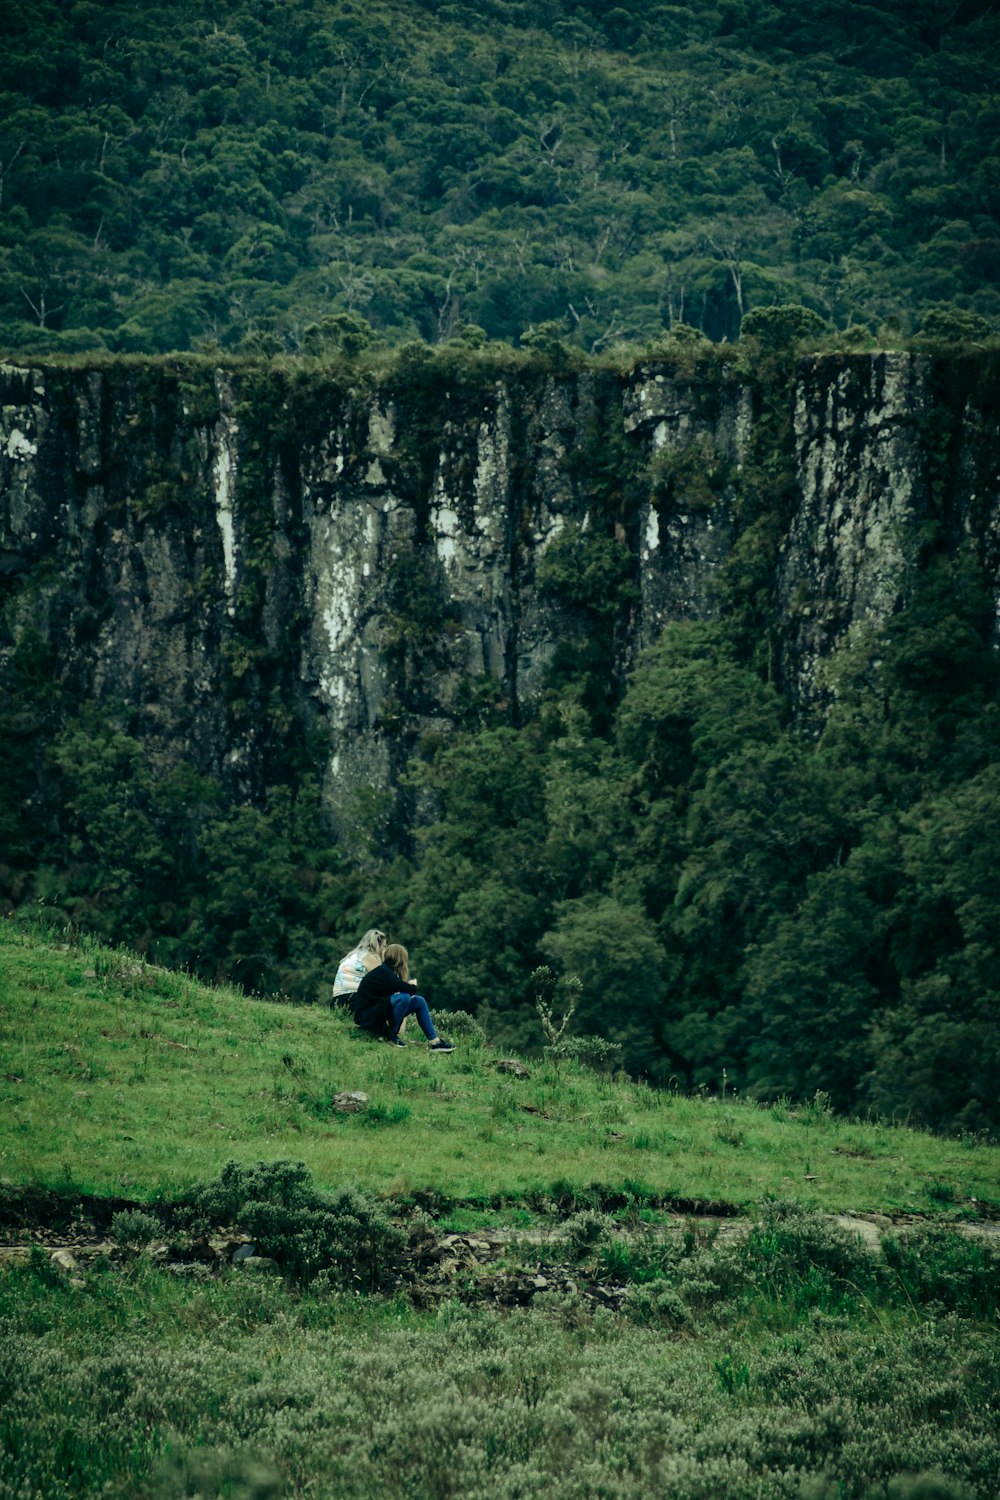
x,y
787,1362
117,1078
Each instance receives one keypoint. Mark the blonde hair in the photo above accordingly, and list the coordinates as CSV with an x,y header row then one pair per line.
x,y
373,942
398,959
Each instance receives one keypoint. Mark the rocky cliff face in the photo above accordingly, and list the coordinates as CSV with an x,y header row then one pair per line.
x,y
236,561
891,454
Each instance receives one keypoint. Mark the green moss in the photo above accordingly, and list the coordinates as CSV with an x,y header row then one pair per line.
x,y
692,478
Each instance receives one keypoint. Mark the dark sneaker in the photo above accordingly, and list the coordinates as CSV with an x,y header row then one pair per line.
x,y
395,1041
440,1045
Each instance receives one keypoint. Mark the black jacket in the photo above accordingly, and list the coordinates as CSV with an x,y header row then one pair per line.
x,y
372,1010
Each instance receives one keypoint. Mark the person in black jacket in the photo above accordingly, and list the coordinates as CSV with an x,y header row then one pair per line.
x,y
384,999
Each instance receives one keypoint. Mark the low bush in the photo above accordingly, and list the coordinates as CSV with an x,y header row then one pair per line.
x,y
354,1398
348,1235
458,1025
590,1051
134,1227
957,1272
657,1305
587,1233
808,1260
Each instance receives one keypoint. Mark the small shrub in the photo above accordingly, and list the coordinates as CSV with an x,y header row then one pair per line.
x,y
809,1259
590,1051
956,1271
586,1233
775,1210
133,1227
636,1260
347,1234
282,1183
817,1111
710,1279
656,1304
458,1025
545,986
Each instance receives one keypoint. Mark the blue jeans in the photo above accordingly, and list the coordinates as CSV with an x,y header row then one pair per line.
x,y
404,1005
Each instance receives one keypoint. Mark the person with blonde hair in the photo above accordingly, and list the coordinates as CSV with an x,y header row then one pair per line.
x,y
386,997
398,960
368,954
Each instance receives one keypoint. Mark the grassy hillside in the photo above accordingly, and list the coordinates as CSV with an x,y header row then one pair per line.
x,y
786,1361
118,1078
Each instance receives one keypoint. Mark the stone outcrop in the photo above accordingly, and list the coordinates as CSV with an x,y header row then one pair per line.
x,y
229,559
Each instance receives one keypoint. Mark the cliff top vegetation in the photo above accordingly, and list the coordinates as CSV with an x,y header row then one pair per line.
x,y
307,177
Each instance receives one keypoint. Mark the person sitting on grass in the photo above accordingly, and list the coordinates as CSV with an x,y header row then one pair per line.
x,y
384,999
398,961
369,952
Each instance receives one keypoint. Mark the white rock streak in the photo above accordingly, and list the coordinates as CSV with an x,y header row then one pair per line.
x,y
224,481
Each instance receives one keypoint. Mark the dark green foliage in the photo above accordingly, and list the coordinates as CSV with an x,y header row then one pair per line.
x,y
690,478
590,579
347,1235
620,963
808,997
160,860
319,179
956,1271
590,573
952,325
773,328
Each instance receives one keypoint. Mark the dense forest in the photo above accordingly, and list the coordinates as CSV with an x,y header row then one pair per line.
x,y
300,178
